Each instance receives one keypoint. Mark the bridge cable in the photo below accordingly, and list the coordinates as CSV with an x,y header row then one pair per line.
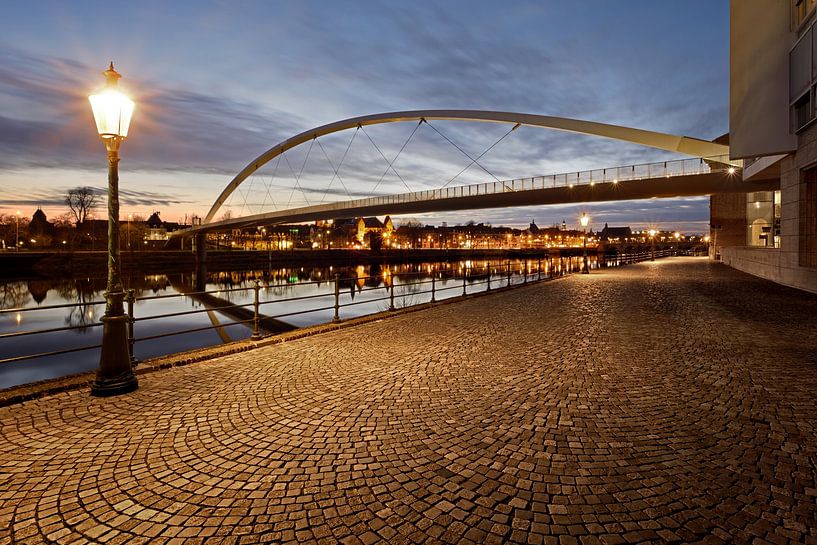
x,y
298,176
384,157
483,153
396,156
246,195
269,186
463,152
337,170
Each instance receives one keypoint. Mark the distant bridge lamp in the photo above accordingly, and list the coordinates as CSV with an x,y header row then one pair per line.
x,y
112,113
584,219
652,232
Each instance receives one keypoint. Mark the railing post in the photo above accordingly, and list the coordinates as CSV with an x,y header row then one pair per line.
x,y
336,317
539,268
464,276
526,270
130,298
488,289
391,295
433,287
256,330
509,273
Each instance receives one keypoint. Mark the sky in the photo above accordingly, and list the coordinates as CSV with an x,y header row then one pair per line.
x,y
218,83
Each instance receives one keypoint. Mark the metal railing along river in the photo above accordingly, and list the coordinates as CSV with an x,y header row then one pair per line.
x,y
441,284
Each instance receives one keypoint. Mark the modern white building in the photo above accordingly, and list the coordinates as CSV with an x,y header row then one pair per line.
x,y
773,91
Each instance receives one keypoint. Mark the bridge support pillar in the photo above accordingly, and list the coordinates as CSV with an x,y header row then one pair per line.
x,y
200,248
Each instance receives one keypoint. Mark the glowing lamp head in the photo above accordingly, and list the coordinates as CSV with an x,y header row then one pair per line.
x,y
731,170
652,232
677,235
584,219
112,109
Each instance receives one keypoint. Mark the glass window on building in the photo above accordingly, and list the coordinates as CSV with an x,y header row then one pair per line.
x,y
800,11
763,219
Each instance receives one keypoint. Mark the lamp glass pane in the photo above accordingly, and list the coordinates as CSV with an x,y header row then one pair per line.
x,y
112,113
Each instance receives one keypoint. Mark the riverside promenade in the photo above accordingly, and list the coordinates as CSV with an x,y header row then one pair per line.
x,y
670,401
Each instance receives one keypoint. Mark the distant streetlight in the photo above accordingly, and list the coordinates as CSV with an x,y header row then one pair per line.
x,y
130,217
652,240
585,220
112,113
17,238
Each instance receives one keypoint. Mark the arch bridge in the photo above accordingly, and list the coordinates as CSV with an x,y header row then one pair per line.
x,y
709,170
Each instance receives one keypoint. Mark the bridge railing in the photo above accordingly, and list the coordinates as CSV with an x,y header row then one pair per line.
x,y
397,290
614,175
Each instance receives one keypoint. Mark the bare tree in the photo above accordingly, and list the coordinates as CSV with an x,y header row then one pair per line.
x,y
81,201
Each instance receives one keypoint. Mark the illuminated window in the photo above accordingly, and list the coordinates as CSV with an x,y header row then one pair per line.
x,y
763,219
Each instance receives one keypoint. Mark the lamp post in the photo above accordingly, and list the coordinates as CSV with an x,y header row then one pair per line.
x,y
112,113
652,244
585,220
17,236
130,217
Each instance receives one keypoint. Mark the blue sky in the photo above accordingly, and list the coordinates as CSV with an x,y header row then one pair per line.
x,y
217,83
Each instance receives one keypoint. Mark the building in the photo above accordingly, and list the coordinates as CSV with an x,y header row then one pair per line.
x,y
615,234
773,91
159,230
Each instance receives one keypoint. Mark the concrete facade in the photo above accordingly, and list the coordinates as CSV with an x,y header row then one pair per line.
x,y
785,265
727,219
793,263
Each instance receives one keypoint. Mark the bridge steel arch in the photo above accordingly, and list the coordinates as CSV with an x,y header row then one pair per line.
x,y
680,144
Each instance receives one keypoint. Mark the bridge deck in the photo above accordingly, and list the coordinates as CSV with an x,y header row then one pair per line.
x,y
667,401
679,178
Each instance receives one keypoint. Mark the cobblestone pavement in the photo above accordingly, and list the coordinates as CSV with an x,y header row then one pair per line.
x,y
671,401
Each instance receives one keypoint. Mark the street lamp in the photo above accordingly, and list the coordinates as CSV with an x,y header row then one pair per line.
x,y
130,217
652,240
585,220
17,237
112,113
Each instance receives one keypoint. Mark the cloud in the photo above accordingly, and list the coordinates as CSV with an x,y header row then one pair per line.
x,y
174,129
55,197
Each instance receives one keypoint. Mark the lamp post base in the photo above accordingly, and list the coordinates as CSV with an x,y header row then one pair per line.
x,y
112,387
115,374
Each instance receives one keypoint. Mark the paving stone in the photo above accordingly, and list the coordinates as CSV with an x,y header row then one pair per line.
x,y
671,401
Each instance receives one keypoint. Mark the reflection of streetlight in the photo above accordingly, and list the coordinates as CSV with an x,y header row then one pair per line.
x,y
17,239
585,220
112,113
652,240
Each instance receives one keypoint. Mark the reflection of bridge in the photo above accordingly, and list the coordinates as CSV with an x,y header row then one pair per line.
x,y
239,314
711,171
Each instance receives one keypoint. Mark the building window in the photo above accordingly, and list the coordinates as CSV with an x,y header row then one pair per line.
x,y
808,219
763,219
800,11
802,76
